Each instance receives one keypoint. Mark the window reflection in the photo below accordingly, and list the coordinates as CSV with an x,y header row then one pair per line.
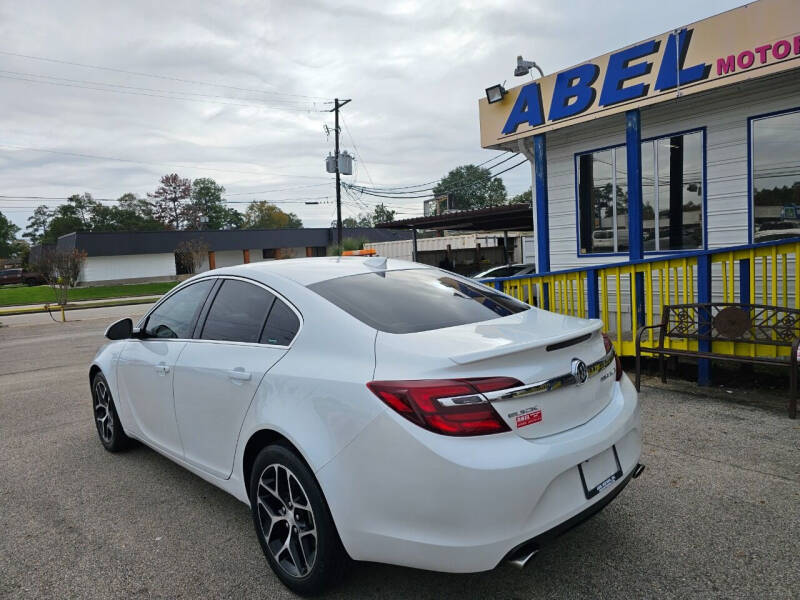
x,y
776,177
672,196
597,208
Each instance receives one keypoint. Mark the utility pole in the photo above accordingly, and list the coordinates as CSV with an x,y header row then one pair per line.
x,y
336,106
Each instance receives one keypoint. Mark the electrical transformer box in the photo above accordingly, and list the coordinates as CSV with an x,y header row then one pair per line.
x,y
330,163
345,163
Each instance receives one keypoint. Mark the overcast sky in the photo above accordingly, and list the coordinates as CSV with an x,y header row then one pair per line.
x,y
246,83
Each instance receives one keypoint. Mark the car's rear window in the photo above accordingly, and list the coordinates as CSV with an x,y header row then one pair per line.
x,y
415,300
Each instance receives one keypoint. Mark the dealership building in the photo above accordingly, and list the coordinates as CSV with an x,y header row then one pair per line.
x,y
689,140
665,173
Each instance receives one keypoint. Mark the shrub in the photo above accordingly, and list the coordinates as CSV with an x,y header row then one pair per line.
x,y
347,244
61,270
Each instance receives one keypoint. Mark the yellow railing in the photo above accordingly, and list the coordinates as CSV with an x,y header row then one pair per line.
x,y
756,274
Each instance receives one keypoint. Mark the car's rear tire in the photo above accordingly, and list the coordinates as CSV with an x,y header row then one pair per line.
x,y
106,420
293,523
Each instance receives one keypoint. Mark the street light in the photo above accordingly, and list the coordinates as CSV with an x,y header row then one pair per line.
x,y
495,93
524,67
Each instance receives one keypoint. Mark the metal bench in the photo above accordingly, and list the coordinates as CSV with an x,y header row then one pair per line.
x,y
708,324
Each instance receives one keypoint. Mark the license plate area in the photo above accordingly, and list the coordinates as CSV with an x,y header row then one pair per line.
x,y
600,471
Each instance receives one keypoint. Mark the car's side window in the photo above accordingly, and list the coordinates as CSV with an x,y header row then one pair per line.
x,y
238,312
282,325
175,317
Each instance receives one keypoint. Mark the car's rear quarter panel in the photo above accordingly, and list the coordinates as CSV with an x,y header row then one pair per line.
x,y
316,395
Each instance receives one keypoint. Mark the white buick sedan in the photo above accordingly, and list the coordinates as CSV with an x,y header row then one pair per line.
x,y
375,409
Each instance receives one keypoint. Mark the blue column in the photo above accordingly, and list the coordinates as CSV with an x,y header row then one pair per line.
x,y
592,294
633,147
704,317
744,281
542,219
542,213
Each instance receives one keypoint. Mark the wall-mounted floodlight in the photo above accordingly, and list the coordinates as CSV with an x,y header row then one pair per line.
x,y
495,93
524,67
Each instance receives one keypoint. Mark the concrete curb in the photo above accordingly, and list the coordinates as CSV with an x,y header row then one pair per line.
x,y
56,308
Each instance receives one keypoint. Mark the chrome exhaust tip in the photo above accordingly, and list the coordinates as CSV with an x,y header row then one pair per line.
x,y
637,470
522,560
520,556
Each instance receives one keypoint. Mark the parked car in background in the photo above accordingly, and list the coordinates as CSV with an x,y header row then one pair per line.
x,y
375,409
506,271
511,271
9,276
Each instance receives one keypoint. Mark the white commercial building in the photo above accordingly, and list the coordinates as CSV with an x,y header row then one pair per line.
x,y
154,255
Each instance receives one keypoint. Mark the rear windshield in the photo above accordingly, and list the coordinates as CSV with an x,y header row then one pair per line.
x,y
415,300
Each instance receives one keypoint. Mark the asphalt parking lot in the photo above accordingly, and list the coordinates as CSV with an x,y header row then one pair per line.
x,y
716,513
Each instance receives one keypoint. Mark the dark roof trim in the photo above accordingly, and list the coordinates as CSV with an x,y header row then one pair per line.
x,y
157,242
509,217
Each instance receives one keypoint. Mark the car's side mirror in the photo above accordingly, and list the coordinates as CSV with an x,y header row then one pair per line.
x,y
121,330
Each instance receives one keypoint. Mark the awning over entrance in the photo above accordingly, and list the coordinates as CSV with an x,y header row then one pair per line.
x,y
509,217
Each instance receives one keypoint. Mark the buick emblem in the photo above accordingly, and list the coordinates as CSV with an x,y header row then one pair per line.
x,y
579,371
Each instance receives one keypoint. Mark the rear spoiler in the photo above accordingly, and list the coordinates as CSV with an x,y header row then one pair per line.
x,y
556,340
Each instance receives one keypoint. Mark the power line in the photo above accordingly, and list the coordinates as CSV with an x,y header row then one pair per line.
x,y
300,200
495,158
388,193
127,93
144,162
419,185
398,212
165,77
369,193
160,91
358,154
505,160
522,162
270,191
371,205
427,196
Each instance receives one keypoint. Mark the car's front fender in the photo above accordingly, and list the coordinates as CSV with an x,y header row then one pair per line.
x,y
106,361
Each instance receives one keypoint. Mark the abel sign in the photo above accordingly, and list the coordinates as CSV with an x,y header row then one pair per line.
x,y
748,42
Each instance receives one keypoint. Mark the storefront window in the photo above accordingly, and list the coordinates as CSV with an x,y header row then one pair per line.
x,y
776,177
601,179
672,196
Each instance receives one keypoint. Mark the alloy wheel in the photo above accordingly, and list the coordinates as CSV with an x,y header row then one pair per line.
x,y
287,520
103,414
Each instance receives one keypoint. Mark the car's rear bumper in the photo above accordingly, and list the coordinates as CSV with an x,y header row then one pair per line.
x,y
533,545
402,495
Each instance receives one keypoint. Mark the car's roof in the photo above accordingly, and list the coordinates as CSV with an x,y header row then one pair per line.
x,y
307,271
515,265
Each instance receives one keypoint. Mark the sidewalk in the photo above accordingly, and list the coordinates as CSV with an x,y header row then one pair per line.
x,y
77,305
108,313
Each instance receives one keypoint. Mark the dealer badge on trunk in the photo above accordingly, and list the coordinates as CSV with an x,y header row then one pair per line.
x,y
579,371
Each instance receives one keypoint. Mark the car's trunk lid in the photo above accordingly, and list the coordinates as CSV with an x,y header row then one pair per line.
x,y
535,347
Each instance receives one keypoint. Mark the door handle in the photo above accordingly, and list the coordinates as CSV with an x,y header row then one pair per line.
x,y
162,369
239,375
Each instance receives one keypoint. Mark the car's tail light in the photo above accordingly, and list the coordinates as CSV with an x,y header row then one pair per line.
x,y
610,348
447,406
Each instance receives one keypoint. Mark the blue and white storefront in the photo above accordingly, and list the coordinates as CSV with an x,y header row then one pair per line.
x,y
694,134
681,145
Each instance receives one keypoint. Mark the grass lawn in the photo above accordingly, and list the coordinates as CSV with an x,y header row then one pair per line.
x,y
41,294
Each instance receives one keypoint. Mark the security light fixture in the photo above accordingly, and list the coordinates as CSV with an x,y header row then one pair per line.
x,y
495,93
524,67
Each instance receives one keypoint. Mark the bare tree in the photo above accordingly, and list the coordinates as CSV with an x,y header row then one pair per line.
x,y
191,254
61,270
170,200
